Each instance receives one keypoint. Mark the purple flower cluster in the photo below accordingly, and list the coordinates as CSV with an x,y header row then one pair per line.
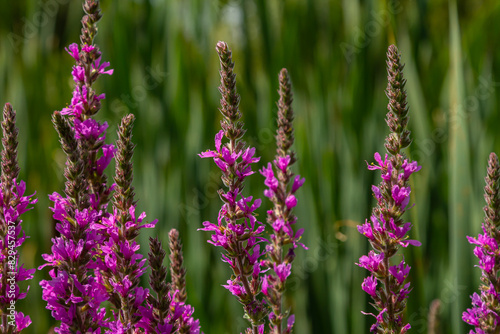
x,y
166,310
237,229
179,315
95,257
282,185
13,203
386,230
75,292
239,239
485,312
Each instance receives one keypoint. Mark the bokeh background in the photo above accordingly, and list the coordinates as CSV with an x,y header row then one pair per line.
x,y
166,73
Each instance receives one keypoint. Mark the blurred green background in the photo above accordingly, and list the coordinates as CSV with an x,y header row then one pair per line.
x,y
166,73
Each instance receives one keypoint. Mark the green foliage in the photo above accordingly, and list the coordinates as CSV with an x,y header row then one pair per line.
x,y
166,73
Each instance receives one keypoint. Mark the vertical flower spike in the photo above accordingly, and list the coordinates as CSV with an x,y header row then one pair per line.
x,y
13,204
124,192
284,133
120,264
282,187
237,231
485,312
177,271
76,183
186,323
85,103
166,313
386,230
74,293
10,167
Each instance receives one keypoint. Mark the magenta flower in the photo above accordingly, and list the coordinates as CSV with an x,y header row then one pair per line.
x,y
90,128
282,270
369,285
382,164
371,262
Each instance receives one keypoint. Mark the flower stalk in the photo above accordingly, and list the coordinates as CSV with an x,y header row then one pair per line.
x,y
13,203
282,186
485,312
237,231
74,293
386,230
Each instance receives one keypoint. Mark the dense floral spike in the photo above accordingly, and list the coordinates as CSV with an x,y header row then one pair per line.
x,y
165,313
10,168
157,281
13,203
121,267
177,271
76,184
177,289
397,117
281,191
85,103
237,230
485,312
386,230
74,293
284,133
230,99
124,192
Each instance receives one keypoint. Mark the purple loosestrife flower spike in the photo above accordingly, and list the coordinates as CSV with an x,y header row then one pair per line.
x,y
386,230
10,167
76,184
485,312
282,186
86,103
74,293
237,231
177,289
284,133
177,271
120,264
166,313
124,192
13,204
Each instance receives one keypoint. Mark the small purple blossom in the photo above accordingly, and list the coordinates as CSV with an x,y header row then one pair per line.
x,y
369,285
108,152
90,128
382,164
401,195
371,262
73,51
282,270
297,183
400,272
